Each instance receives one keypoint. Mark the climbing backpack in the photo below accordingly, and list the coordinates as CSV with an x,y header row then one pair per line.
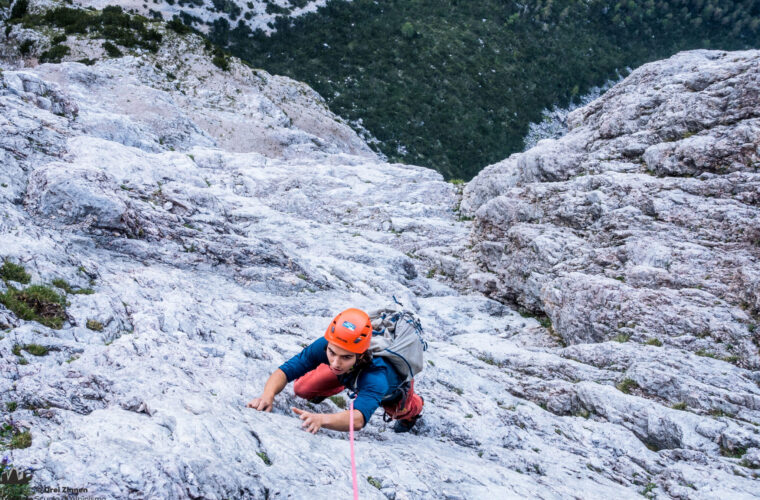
x,y
397,337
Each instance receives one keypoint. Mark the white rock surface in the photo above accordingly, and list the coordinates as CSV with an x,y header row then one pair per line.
x,y
214,262
642,221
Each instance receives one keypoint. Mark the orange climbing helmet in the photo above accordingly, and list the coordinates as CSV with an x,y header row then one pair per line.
x,y
351,330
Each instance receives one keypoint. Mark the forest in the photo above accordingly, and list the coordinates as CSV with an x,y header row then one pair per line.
x,y
454,84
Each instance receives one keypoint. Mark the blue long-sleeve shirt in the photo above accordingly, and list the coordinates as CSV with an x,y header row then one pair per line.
x,y
375,382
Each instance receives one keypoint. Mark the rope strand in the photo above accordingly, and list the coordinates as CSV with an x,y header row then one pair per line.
x,y
351,438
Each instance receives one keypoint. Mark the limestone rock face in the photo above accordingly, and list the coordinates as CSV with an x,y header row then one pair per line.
x,y
644,220
202,229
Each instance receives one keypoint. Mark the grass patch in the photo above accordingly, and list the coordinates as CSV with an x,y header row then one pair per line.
x,y
705,354
14,272
627,385
11,406
717,413
339,401
264,457
679,406
654,341
544,321
36,349
64,285
21,440
94,325
374,482
647,491
36,303
487,359
622,337
737,452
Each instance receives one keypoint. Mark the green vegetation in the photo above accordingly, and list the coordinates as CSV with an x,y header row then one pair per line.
x,y
112,23
339,401
374,482
622,337
655,342
36,349
11,406
14,272
26,47
679,406
647,491
64,285
626,385
453,84
36,303
13,491
12,437
736,452
264,457
21,440
178,26
112,50
55,53
95,325
19,9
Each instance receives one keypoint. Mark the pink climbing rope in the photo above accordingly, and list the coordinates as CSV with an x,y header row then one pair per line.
x,y
351,438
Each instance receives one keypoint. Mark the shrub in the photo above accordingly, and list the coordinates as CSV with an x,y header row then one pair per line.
x,y
679,406
221,61
55,53
14,272
112,50
19,9
25,47
407,30
58,39
178,26
655,342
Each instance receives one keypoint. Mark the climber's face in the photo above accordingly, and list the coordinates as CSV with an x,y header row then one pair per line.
x,y
340,360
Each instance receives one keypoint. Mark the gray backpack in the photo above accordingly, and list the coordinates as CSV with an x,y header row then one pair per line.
x,y
397,338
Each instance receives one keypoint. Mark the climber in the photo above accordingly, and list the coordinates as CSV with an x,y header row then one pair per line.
x,y
338,360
